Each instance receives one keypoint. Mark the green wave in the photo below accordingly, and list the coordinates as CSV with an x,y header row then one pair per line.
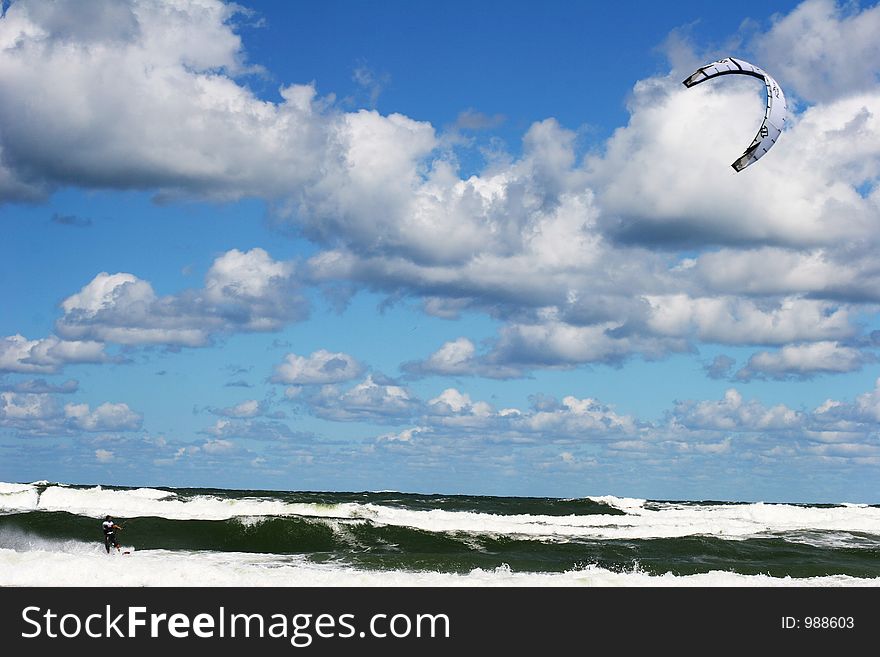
x,y
365,544
418,501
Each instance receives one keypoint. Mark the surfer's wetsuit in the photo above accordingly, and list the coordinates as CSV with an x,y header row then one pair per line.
x,y
110,535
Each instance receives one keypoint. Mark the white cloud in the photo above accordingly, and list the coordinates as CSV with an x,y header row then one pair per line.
x,y
720,434
459,358
106,417
321,367
453,408
733,413
219,446
244,291
722,447
251,428
385,203
219,427
578,417
734,320
824,49
453,400
452,358
166,63
868,404
477,421
368,400
247,408
804,360
47,355
725,433
105,290
803,194
252,283
104,455
554,343
404,436
41,414
775,271
24,409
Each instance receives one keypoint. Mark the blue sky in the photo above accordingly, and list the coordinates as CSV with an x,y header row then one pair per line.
x,y
483,247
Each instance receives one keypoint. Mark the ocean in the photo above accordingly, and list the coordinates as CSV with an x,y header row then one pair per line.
x,y
50,535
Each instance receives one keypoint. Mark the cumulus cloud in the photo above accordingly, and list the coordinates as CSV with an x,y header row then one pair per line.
x,y
106,417
733,413
454,357
219,446
46,355
720,433
459,358
405,436
649,246
104,455
868,404
823,49
454,415
321,367
595,299
30,413
781,430
165,62
849,274
577,417
244,291
803,195
720,367
556,343
733,320
235,428
42,414
369,400
247,408
731,427
804,361
452,408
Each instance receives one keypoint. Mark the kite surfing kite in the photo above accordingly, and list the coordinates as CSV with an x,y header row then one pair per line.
x,y
774,115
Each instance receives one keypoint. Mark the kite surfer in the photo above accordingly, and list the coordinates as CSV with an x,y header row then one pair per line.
x,y
110,529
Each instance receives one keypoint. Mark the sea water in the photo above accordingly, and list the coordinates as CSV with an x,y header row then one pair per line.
x,y
50,535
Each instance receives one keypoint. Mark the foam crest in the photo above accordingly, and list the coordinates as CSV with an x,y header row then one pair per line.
x,y
14,488
20,541
99,501
669,521
640,520
52,567
622,503
18,497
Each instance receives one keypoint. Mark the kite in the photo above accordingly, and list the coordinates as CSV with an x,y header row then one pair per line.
x,y
774,115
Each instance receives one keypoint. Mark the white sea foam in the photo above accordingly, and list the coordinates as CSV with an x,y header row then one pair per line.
x,y
640,521
14,497
14,488
78,564
622,503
